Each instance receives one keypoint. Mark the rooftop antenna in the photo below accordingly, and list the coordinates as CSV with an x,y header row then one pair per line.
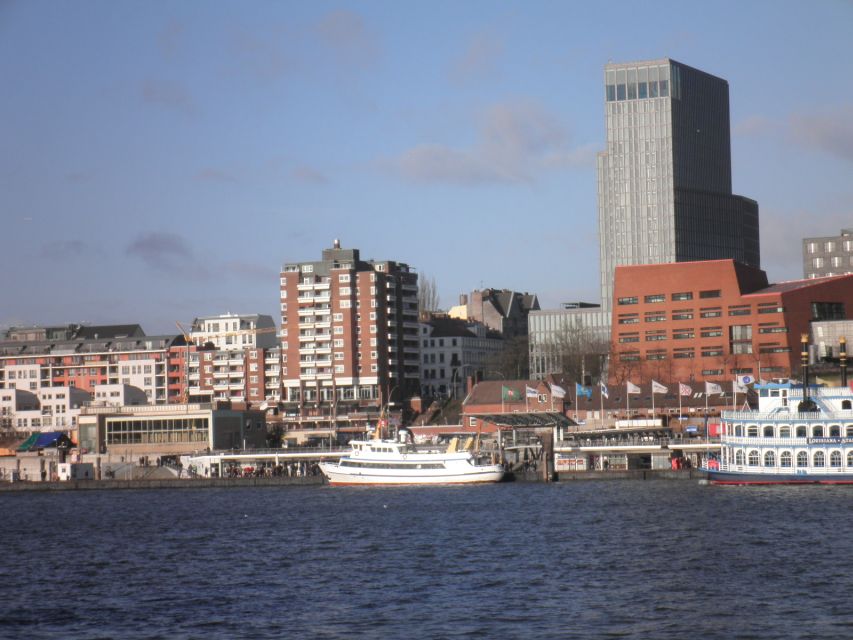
x,y
336,244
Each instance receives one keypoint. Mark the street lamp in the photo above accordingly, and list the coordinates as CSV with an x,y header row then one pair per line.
x,y
453,378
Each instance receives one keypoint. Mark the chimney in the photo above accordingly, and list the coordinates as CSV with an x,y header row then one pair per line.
x,y
807,405
463,299
842,357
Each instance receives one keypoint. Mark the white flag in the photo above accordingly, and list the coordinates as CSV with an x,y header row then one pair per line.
x,y
557,391
744,380
604,391
684,389
738,387
657,387
632,388
713,387
530,392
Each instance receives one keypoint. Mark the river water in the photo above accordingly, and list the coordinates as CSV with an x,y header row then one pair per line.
x,y
655,559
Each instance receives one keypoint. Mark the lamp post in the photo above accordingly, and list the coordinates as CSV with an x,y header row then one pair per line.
x,y
453,378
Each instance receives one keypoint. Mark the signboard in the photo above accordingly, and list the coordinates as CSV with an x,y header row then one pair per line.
x,y
563,462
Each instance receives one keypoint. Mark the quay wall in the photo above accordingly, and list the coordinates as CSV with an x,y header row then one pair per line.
x,y
194,483
633,474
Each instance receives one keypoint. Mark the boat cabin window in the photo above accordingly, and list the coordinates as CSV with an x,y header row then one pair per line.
x,y
769,459
818,459
846,405
850,459
834,431
802,459
817,431
739,457
850,432
739,431
802,432
785,459
835,459
752,432
753,458
785,432
768,431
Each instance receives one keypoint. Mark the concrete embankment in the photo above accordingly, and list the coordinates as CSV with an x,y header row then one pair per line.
x,y
195,483
634,474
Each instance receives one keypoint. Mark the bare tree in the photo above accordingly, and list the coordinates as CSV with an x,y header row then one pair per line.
x,y
512,362
579,352
427,294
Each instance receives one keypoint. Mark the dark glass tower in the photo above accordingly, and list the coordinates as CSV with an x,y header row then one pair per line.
x,y
665,180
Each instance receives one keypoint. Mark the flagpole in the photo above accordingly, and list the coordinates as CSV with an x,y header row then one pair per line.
x,y
653,401
679,402
628,401
601,399
734,397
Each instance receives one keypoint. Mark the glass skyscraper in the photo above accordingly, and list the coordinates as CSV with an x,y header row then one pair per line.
x,y
665,180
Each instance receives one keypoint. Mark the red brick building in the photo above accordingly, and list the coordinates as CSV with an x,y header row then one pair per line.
x,y
714,320
349,334
498,404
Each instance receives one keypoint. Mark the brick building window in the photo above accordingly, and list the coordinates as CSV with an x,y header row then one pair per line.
x,y
684,295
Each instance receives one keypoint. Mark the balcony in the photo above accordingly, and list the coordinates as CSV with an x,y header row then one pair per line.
x,y
307,337
307,311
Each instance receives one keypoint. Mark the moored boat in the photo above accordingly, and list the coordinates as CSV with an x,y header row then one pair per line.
x,y
390,462
800,434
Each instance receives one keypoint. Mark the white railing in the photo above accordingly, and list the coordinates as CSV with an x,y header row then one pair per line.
x,y
784,416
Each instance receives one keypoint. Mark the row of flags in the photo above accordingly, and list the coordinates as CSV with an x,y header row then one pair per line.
x,y
739,385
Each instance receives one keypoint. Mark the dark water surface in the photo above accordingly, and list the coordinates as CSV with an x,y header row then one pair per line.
x,y
589,559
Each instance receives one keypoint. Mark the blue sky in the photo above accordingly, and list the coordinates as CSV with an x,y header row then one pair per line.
x,y
162,160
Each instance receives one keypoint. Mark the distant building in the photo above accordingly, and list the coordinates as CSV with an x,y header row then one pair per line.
x,y
555,334
151,363
715,320
349,334
452,350
235,357
665,179
500,310
44,409
73,332
828,256
170,429
825,338
233,332
503,405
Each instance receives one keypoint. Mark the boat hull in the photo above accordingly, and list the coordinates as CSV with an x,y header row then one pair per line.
x,y
736,478
336,477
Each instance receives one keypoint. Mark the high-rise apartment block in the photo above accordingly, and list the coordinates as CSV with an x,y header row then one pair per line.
x,y
349,333
665,180
829,256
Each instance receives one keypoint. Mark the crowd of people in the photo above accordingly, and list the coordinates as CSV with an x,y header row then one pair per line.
x,y
288,470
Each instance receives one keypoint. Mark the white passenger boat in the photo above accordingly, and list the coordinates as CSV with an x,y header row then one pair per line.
x,y
780,444
801,434
398,463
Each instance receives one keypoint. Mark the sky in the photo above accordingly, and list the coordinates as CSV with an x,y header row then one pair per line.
x,y
162,160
